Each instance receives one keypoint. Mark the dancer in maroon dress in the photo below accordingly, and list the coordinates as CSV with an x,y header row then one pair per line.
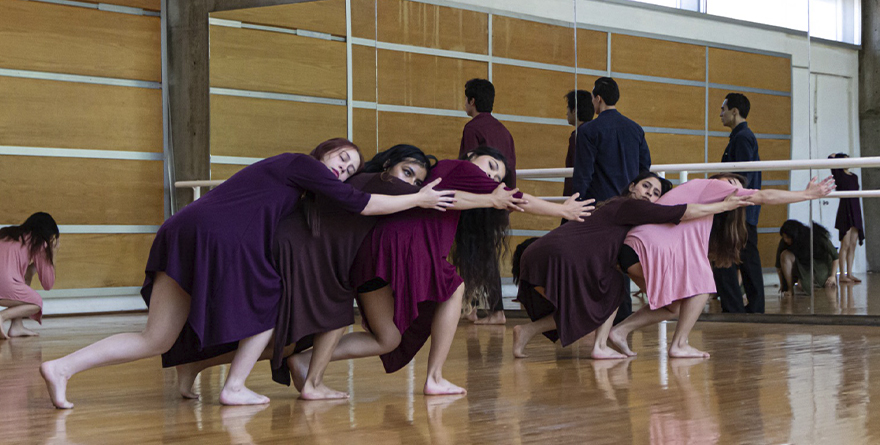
x,y
408,289
210,280
569,283
849,221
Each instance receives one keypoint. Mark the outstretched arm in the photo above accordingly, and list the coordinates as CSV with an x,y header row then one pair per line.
x,y
695,211
426,198
501,198
572,209
814,190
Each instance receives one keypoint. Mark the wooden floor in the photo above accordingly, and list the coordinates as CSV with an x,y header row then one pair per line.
x,y
763,384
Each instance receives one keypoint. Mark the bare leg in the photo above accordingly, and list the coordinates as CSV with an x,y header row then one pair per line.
x,y
187,373
15,312
235,392
641,318
442,333
853,236
843,277
601,351
322,352
523,333
690,312
169,308
787,261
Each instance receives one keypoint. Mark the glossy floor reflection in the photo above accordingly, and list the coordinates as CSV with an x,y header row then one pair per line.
x,y
764,384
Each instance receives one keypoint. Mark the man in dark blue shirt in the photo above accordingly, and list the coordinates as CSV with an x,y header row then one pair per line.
x,y
611,149
743,146
610,152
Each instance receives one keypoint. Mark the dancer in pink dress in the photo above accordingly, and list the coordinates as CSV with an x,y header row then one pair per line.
x,y
24,250
673,263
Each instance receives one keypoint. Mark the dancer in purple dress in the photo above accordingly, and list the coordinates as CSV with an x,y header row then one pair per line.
x,y
849,221
408,291
210,280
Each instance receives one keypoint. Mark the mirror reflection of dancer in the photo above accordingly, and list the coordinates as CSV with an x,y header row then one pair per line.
x,y
408,291
24,250
210,281
849,220
670,262
568,279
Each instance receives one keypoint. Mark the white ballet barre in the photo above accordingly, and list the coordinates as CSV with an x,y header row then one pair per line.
x,y
197,186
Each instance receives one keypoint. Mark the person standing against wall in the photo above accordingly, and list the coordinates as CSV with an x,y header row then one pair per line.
x,y
579,112
743,146
484,130
610,152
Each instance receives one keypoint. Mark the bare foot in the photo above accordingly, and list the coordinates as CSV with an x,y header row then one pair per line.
x,y
56,383
235,421
844,279
603,352
472,316
520,339
21,331
241,396
442,388
299,369
320,392
186,377
496,317
686,351
853,278
619,342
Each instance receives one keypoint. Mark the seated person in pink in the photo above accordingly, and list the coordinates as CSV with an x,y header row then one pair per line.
x,y
26,249
671,264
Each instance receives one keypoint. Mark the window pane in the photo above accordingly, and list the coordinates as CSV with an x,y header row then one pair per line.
x,y
790,14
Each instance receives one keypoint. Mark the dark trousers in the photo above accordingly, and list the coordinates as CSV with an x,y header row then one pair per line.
x,y
727,282
626,304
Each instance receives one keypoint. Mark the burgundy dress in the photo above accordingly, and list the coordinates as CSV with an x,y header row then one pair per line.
x,y
484,129
218,250
317,294
849,211
408,250
576,264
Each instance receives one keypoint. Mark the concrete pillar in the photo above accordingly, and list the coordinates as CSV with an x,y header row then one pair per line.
x,y
869,122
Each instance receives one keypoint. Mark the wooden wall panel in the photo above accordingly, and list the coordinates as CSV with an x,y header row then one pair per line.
x,y
652,57
525,221
61,39
152,5
422,24
436,135
326,16
533,41
538,145
592,50
363,61
767,245
653,104
364,127
740,68
420,80
45,113
767,114
101,260
675,148
279,63
224,171
81,191
532,92
261,128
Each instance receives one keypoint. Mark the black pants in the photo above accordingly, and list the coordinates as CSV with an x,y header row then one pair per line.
x,y
727,282
626,304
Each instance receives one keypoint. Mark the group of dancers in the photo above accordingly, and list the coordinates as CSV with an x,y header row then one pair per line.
x,y
267,265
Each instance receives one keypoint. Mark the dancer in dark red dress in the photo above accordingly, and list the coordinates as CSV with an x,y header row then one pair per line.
x,y
408,289
210,280
849,221
569,283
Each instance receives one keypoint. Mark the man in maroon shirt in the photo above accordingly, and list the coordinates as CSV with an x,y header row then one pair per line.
x,y
484,129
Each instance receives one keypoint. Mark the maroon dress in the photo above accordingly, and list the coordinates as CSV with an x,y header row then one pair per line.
x,y
484,129
576,264
849,211
218,250
317,294
408,250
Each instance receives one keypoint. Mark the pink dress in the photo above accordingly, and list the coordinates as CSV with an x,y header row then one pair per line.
x,y
14,261
674,258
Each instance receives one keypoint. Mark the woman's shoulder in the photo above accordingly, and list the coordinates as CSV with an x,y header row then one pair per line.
x,y
447,166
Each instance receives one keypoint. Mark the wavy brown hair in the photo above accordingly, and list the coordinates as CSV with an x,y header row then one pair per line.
x,y
729,233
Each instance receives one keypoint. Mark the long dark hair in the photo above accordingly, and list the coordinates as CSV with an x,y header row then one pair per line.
x,y
384,161
729,232
38,231
480,242
800,237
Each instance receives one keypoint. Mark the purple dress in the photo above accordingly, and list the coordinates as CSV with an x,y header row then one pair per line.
x,y
849,211
218,250
408,250
317,294
484,129
576,264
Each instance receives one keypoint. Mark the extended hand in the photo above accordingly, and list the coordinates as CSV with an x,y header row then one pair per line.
x,y
435,199
819,189
503,199
733,202
574,210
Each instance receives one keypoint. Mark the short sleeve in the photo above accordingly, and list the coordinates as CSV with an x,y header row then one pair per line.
x,y
716,190
45,269
634,212
467,177
307,173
